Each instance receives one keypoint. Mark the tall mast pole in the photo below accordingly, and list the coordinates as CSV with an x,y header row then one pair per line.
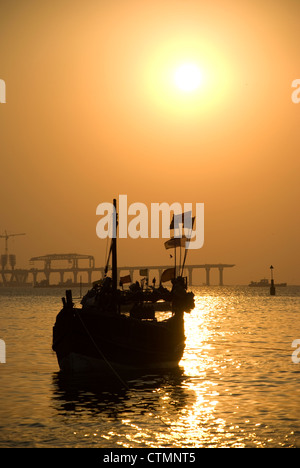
x,y
175,262
114,249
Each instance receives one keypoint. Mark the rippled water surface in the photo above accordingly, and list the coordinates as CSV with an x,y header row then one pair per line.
x,y
236,385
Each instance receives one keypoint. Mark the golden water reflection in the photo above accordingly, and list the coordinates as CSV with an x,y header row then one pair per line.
x,y
198,421
225,394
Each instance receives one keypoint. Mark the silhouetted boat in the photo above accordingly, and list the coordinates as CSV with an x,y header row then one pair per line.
x,y
264,283
119,329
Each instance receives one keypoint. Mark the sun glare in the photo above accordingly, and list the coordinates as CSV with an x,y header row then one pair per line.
x,y
188,77
183,80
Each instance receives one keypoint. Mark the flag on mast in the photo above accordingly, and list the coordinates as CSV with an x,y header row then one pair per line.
x,y
185,219
167,275
144,272
175,242
125,279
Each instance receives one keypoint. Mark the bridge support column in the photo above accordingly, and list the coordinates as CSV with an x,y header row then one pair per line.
x,y
89,276
75,272
221,276
190,276
131,272
34,276
61,277
160,272
207,269
47,275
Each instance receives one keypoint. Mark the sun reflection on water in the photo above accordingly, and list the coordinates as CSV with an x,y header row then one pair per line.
x,y
194,423
225,393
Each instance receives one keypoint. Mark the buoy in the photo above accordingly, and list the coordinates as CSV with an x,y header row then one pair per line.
x,y
272,287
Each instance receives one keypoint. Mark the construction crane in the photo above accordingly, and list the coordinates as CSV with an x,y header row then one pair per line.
x,y
7,236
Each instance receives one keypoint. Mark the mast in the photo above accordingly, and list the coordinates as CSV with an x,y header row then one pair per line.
x,y
114,249
175,262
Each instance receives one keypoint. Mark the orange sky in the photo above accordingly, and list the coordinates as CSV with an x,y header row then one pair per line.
x,y
91,113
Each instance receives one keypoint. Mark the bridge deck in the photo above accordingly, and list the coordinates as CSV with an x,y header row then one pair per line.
x,y
20,276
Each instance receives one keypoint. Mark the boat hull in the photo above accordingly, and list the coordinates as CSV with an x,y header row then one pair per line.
x,y
266,285
78,363
85,341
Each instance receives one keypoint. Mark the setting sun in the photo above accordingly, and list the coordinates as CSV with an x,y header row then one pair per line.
x,y
188,77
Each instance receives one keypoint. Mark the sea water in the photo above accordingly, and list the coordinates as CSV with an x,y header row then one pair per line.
x,y
236,386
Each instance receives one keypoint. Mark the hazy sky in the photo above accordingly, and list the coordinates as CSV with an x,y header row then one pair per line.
x,y
92,112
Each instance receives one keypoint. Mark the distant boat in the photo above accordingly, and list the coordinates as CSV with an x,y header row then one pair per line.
x,y
265,283
118,329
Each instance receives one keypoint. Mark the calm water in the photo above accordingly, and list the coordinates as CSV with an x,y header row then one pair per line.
x,y
236,386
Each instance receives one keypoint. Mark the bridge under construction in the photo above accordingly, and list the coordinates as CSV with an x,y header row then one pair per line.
x,y
74,269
